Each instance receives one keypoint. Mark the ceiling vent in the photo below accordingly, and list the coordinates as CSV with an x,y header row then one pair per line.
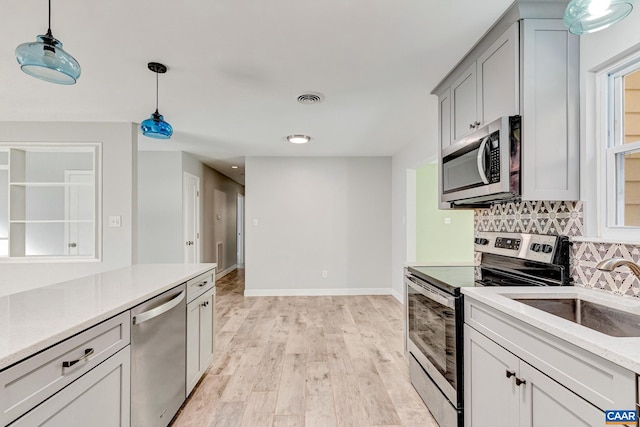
x,y
311,98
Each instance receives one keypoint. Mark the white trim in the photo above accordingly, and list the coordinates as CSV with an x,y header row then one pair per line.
x,y
397,295
317,292
225,272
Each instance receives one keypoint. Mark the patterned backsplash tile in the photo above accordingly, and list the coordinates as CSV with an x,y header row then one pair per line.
x,y
537,217
586,255
564,218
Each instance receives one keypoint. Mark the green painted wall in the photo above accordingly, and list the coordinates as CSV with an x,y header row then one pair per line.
x,y
437,242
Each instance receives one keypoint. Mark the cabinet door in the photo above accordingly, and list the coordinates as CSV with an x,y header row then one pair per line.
x,y
550,105
193,343
206,331
100,398
444,102
491,398
545,403
463,94
499,77
199,337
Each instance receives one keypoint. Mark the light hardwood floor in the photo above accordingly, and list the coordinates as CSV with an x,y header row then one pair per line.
x,y
305,361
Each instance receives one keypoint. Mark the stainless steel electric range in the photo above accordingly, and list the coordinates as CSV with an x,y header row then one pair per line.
x,y
435,317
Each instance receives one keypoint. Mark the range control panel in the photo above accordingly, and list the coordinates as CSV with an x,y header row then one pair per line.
x,y
534,247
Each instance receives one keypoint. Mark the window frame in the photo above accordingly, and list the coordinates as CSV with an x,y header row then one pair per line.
x,y
610,143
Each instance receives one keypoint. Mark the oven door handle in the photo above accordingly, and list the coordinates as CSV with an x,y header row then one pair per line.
x,y
481,161
431,294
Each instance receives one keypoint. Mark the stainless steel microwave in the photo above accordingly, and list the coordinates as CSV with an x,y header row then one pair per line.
x,y
484,166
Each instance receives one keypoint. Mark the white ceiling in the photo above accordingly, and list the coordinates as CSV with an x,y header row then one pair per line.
x,y
236,68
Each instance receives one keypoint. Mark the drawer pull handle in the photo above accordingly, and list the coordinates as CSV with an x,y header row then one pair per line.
x,y
520,381
510,373
87,352
203,283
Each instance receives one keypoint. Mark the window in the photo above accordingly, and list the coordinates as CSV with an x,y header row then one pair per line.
x,y
622,152
48,201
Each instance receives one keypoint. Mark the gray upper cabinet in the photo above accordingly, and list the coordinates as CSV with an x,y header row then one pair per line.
x,y
444,131
498,77
463,93
550,105
526,64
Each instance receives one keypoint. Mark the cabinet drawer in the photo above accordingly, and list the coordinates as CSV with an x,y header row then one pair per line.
x,y
199,284
99,398
30,382
603,383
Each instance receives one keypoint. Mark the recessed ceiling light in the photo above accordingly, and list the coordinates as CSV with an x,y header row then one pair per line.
x,y
298,139
234,167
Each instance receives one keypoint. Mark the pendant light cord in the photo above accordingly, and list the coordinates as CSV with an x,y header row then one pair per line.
x,y
156,89
49,28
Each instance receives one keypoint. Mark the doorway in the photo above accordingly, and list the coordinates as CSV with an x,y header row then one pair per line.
x,y
240,230
191,218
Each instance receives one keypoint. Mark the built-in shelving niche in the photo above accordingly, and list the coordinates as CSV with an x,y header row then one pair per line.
x,y
49,197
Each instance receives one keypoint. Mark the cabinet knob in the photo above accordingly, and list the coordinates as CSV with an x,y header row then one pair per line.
x,y
476,124
471,126
510,373
73,245
520,381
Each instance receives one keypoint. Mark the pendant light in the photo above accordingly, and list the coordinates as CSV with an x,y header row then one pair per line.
x,y
588,16
46,60
155,126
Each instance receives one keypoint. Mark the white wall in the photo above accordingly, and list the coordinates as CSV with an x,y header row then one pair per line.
x,y
316,214
597,51
119,174
403,222
160,235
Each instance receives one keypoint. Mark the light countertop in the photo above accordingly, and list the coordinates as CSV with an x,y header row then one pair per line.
x,y
620,350
33,320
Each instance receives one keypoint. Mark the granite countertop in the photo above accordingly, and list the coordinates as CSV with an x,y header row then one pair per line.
x,y
34,320
620,350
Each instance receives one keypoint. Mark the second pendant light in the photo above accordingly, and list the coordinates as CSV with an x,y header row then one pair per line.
x,y
155,126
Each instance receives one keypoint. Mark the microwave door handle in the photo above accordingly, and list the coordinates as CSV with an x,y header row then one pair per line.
x,y
480,159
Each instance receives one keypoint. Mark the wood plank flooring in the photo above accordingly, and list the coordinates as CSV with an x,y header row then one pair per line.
x,y
305,361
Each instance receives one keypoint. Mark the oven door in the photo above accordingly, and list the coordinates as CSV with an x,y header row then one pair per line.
x,y
431,333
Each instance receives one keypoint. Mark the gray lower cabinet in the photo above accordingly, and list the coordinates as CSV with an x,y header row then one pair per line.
x,y
99,398
83,380
503,390
199,337
519,375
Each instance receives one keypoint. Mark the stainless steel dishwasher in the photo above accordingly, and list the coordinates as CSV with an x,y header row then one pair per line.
x,y
158,347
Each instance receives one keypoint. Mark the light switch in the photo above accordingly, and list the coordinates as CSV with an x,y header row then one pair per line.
x,y
447,220
115,221
255,222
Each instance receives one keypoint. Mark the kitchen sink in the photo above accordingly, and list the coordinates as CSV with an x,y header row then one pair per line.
x,y
598,317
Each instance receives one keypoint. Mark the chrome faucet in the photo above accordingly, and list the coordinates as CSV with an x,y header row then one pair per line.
x,y
613,263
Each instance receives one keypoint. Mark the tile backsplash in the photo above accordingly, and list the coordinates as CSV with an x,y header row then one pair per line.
x,y
564,218
537,217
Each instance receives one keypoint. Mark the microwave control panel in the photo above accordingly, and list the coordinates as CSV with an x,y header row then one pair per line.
x,y
494,157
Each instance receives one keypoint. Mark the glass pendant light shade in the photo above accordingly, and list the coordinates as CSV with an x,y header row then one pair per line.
x,y
156,127
46,60
588,16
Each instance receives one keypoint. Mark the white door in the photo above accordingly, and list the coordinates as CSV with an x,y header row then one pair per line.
x,y
240,228
79,213
191,218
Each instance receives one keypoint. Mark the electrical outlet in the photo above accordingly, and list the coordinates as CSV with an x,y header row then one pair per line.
x,y
324,274
447,220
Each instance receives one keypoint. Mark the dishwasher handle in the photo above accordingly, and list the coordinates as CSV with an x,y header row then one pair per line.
x,y
157,311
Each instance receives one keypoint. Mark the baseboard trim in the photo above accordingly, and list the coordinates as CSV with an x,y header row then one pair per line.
x,y
397,295
316,292
225,272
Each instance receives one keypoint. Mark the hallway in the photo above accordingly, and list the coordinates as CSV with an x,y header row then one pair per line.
x,y
305,361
